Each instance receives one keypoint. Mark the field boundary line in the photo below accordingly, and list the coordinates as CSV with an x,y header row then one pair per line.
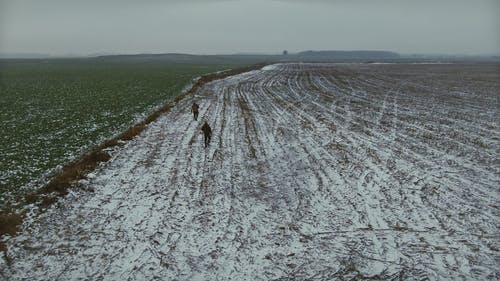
x,y
12,218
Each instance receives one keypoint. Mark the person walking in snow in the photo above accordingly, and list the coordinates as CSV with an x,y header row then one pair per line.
x,y
194,109
207,132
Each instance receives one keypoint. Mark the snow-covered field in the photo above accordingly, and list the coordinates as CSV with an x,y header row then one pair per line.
x,y
314,172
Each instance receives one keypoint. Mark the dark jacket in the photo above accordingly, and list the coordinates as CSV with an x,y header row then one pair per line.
x,y
206,129
195,107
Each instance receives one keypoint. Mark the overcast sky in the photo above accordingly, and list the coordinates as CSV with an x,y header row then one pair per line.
x,y
80,27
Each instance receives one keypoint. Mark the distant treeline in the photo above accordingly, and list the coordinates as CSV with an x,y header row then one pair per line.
x,y
349,54
285,56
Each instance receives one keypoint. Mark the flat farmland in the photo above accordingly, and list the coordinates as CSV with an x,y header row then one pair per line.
x,y
54,110
314,172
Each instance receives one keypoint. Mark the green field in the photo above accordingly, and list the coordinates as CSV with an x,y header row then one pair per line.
x,y
54,110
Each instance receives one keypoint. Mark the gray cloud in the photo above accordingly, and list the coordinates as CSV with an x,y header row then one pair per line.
x,y
227,26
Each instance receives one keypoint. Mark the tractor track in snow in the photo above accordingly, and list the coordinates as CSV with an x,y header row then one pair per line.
x,y
314,172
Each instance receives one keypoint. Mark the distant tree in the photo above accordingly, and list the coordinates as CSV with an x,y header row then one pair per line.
x,y
285,52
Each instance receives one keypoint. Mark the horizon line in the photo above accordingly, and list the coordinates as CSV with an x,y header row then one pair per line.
x,y
35,55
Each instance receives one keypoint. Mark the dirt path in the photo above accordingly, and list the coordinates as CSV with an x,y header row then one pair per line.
x,y
314,172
